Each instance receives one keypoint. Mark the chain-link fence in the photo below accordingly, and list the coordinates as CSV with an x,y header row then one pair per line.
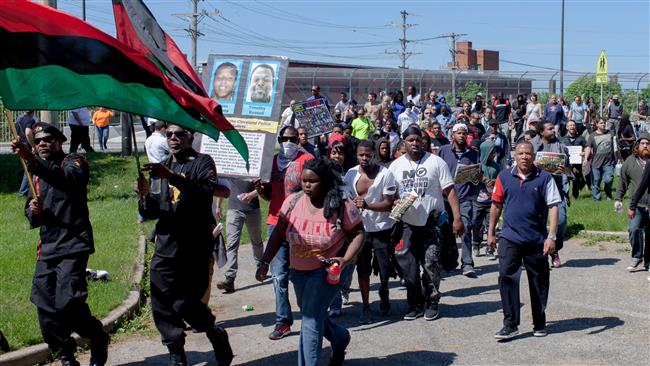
x,y
358,82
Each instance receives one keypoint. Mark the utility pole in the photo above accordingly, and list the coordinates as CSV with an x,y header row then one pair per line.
x,y
562,54
404,54
83,10
454,65
51,117
195,17
452,51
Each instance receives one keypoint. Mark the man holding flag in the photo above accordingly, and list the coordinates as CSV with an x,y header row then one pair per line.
x,y
182,203
142,72
60,210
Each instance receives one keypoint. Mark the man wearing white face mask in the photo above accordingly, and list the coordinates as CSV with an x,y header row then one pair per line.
x,y
285,179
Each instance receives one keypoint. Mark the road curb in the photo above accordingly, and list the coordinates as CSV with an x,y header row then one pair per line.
x,y
595,232
37,353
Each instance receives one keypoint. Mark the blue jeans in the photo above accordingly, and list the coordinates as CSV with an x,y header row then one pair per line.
x,y
639,227
466,215
102,136
314,294
561,225
345,281
606,174
24,186
280,273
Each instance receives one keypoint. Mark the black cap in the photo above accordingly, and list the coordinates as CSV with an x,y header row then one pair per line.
x,y
50,129
493,122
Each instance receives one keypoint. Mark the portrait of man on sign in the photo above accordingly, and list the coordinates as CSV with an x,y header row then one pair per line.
x,y
260,85
225,80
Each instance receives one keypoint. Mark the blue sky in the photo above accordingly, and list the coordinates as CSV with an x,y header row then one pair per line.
x,y
359,32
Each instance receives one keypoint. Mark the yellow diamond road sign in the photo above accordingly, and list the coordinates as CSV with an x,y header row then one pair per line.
x,y
601,68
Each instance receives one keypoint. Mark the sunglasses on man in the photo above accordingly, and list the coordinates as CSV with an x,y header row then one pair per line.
x,y
47,139
293,139
180,134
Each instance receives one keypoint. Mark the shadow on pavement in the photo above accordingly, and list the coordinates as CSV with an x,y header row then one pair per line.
x,y
193,358
404,358
470,291
263,319
577,324
590,262
250,286
470,309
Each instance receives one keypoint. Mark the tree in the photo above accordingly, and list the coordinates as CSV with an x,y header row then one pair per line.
x,y
586,86
470,89
645,93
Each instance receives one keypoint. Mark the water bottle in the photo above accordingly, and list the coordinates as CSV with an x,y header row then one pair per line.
x,y
334,273
618,207
155,186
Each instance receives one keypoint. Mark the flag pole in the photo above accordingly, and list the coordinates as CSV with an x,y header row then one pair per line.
x,y
14,132
135,144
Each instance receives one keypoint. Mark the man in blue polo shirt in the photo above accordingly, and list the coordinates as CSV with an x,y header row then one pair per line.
x,y
453,154
530,197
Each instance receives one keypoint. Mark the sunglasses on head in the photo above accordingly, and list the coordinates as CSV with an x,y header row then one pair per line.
x,y
293,139
46,139
179,134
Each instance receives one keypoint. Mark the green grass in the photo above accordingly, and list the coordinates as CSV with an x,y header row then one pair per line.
x,y
112,206
587,214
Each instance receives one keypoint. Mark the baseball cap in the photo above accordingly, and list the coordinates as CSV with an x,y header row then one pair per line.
x,y
459,126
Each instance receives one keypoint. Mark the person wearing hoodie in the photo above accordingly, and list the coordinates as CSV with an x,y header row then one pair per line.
x,y
446,120
443,102
286,176
384,152
483,200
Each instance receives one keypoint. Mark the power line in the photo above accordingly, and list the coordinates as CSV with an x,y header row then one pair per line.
x,y
403,54
195,18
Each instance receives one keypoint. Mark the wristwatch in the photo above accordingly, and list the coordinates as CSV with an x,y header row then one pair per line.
x,y
552,237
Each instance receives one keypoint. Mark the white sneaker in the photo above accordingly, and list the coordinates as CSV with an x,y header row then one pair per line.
x,y
634,262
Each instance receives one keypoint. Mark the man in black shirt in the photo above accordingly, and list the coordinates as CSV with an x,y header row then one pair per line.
x,y
502,111
184,244
60,209
572,138
518,112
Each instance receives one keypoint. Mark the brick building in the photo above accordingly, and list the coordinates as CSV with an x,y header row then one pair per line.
x,y
468,58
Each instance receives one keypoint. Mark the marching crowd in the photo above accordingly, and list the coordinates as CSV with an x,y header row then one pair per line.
x,y
330,203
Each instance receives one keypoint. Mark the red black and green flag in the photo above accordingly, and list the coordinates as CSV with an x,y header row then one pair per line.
x,y
50,60
137,27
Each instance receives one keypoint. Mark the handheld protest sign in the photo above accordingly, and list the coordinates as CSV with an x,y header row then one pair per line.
x,y
249,90
314,116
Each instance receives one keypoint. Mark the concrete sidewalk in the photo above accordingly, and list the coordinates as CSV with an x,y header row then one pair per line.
x,y
598,313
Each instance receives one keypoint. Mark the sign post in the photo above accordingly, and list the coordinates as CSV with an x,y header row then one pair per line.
x,y
601,75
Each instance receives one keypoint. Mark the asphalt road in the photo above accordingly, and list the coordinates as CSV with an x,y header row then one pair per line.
x,y
598,314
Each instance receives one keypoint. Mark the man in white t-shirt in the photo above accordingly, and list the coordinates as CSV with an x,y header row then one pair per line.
x,y
428,177
407,118
287,116
78,121
373,189
156,144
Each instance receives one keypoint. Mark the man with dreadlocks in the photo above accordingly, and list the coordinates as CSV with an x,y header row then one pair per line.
x,y
316,223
